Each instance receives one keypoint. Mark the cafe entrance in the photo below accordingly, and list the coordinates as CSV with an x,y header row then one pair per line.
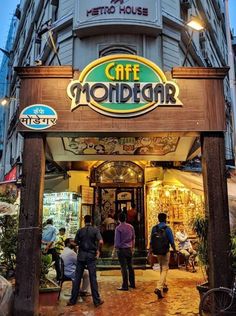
x,y
119,187
187,106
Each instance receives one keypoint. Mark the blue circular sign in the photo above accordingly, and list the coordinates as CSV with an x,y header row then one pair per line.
x,y
38,116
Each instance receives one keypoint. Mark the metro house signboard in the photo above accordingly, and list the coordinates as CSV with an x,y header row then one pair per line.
x,y
123,86
118,6
97,16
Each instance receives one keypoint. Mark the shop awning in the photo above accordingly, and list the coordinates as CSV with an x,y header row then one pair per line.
x,y
194,182
56,183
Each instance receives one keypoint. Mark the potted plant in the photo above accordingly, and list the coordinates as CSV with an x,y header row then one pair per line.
x,y
48,289
233,251
8,238
200,227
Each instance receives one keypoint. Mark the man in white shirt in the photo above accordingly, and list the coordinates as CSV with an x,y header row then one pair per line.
x,y
69,257
185,246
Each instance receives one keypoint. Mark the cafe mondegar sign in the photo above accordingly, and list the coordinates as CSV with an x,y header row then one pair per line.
x,y
123,86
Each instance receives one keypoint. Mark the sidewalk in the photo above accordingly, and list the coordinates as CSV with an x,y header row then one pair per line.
x,y
181,299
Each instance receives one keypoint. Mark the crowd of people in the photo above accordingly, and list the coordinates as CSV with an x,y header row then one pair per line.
x,y
79,255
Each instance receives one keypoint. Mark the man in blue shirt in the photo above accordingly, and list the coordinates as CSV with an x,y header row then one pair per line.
x,y
163,259
124,244
49,236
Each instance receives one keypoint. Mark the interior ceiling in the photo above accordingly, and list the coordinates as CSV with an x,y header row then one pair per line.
x,y
83,153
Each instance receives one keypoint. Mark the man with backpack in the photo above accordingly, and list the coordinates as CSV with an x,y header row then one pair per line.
x,y
160,241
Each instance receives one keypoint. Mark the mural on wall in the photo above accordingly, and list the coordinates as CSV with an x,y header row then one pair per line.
x,y
121,145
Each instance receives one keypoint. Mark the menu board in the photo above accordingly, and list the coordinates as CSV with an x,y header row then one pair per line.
x,y
86,194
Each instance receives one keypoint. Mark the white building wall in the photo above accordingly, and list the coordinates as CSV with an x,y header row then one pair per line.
x,y
65,7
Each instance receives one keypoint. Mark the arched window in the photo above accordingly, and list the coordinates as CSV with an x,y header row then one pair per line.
x,y
117,49
118,172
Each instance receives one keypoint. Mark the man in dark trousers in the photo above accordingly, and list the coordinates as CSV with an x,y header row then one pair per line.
x,y
124,244
90,242
49,236
160,241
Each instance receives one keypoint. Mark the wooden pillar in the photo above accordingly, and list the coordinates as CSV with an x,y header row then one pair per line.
x,y
30,227
215,187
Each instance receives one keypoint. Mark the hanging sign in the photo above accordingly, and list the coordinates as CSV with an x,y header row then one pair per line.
x,y
123,86
38,116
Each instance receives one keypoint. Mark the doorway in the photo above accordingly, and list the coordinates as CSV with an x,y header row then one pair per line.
x,y
119,186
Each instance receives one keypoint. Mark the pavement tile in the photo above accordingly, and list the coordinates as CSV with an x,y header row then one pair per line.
x,y
181,299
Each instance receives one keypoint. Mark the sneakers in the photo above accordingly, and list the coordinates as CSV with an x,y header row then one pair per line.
x,y
99,303
158,293
122,289
165,289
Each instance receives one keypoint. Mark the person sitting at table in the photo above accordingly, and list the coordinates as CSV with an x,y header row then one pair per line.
x,y
69,257
185,247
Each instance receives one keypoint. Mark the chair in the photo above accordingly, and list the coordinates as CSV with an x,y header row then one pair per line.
x,y
183,262
63,278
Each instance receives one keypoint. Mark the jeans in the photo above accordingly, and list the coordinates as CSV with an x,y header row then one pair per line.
x,y
91,266
125,259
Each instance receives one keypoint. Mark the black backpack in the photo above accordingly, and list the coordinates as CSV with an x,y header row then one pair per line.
x,y
160,241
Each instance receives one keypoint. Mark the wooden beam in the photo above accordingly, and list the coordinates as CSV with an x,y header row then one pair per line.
x,y
215,187
45,72
200,72
30,227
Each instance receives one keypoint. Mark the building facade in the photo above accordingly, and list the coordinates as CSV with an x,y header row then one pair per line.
x,y
54,33
4,88
117,151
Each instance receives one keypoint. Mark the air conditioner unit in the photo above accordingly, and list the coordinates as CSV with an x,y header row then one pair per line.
x,y
187,4
202,36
